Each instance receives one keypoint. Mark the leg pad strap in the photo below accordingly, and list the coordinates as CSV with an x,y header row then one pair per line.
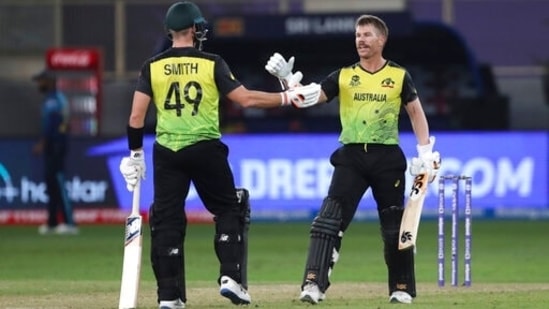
x,y
325,231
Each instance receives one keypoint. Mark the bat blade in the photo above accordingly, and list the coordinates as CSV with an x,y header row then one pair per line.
x,y
133,247
411,217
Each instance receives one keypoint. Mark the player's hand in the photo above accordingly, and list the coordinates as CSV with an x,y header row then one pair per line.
x,y
429,165
133,168
282,69
427,160
302,97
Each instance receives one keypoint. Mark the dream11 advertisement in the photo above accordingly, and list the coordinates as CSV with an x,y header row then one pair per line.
x,y
287,176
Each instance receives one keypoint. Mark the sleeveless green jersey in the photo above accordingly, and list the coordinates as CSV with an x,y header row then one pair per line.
x,y
370,103
185,85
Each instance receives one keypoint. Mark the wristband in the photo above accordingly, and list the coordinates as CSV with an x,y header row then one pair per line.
x,y
284,100
135,137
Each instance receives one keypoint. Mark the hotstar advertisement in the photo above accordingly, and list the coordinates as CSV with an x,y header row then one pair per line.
x,y
288,175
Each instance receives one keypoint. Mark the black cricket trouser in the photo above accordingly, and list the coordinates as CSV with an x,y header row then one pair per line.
x,y
206,165
58,200
381,168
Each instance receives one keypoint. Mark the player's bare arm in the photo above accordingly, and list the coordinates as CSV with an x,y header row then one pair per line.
x,y
300,97
427,159
252,98
323,98
140,105
419,121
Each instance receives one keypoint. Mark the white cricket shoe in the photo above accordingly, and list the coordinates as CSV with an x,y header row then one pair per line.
x,y
400,297
234,291
171,304
311,293
66,229
45,229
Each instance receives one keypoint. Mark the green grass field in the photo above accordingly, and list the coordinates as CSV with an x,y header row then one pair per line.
x,y
510,268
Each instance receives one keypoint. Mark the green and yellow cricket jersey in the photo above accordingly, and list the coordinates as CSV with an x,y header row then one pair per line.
x,y
185,85
370,103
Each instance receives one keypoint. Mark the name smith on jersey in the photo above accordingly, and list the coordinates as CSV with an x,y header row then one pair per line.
x,y
185,68
370,97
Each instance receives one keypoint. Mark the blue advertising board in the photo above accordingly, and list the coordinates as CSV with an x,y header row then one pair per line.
x,y
288,175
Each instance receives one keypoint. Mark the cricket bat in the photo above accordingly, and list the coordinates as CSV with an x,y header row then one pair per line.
x,y
133,247
409,224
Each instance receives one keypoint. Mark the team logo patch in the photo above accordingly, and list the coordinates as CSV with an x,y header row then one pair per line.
x,y
355,81
387,83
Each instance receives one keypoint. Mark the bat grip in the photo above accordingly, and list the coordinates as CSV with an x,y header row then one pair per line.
x,y
136,197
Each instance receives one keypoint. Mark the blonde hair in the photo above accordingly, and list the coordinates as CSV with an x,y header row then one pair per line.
x,y
377,22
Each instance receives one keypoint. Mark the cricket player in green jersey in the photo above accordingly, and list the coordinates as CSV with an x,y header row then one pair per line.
x,y
371,93
186,84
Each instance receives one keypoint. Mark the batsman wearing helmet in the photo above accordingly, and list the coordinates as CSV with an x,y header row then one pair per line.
x,y
186,84
371,93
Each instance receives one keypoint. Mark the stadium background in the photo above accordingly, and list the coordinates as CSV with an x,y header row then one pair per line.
x,y
483,78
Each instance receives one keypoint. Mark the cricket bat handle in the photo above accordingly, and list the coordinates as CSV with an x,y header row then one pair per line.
x,y
136,197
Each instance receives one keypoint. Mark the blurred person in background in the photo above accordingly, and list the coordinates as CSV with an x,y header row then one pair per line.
x,y
53,146
186,84
371,93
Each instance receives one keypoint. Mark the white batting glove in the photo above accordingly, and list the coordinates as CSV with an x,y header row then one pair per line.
x,y
426,161
282,69
133,168
302,97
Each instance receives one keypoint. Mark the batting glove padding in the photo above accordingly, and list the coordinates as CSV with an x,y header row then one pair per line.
x,y
302,97
132,168
426,161
282,69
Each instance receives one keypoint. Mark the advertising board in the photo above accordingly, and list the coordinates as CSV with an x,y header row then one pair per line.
x,y
288,175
